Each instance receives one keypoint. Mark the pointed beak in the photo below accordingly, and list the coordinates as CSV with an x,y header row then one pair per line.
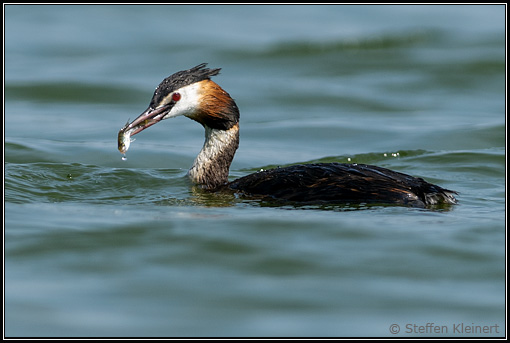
x,y
148,118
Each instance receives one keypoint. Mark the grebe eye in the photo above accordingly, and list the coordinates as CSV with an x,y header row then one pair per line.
x,y
176,96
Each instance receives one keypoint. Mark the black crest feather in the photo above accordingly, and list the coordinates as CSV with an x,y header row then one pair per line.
x,y
181,79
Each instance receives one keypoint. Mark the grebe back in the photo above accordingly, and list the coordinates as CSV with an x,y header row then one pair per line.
x,y
193,94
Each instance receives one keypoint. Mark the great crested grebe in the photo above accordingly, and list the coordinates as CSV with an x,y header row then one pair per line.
x,y
192,93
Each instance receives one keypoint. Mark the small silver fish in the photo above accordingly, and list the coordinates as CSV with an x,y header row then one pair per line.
x,y
124,139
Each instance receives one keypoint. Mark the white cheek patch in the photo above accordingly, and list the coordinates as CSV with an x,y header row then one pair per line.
x,y
188,104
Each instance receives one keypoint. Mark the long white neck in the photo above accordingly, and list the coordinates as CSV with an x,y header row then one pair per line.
x,y
212,164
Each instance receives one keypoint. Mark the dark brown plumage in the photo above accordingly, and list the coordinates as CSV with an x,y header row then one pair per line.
x,y
341,183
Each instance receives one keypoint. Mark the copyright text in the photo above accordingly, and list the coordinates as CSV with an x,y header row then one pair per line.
x,y
452,329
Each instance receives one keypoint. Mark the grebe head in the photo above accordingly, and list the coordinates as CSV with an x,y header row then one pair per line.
x,y
190,93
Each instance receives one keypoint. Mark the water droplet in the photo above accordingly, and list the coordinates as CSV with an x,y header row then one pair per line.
x,y
124,157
